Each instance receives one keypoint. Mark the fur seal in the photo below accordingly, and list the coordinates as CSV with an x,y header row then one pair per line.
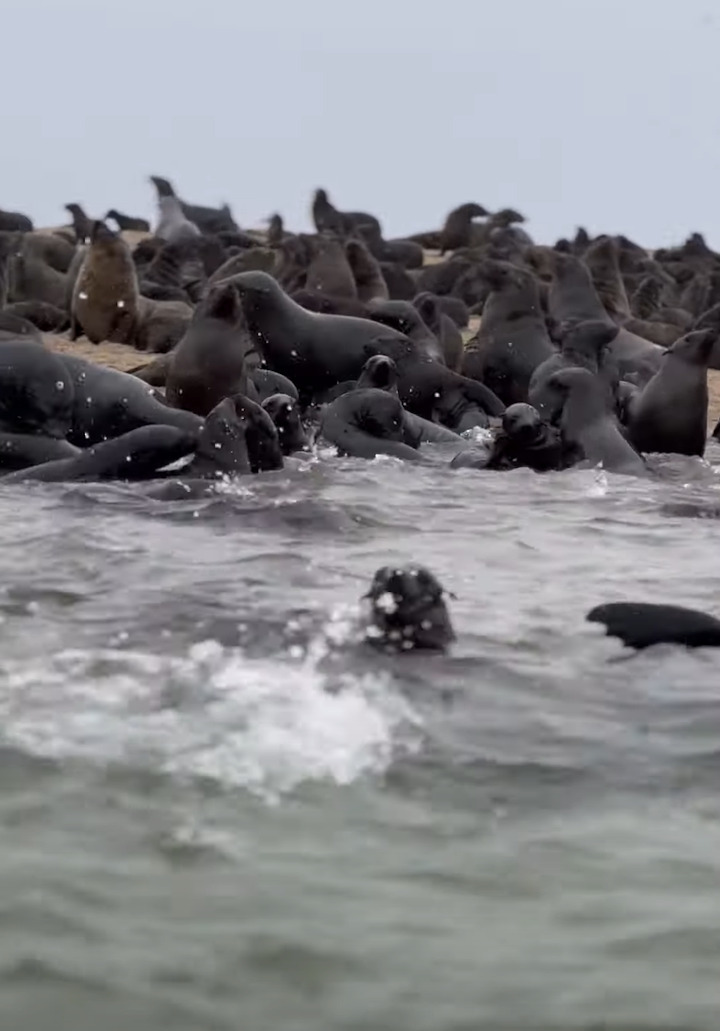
x,y
580,409
106,296
208,364
126,223
45,317
366,423
22,450
405,318
14,327
527,440
107,404
402,252
457,230
36,391
82,224
369,280
641,624
14,222
512,340
584,345
323,304
172,225
208,220
443,328
30,278
572,298
238,438
318,351
330,271
408,611
285,413
381,372
327,217
138,455
670,414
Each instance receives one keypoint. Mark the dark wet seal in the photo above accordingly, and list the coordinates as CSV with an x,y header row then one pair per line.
x,y
642,624
408,611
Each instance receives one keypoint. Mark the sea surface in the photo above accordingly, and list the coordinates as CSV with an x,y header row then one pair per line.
x,y
220,812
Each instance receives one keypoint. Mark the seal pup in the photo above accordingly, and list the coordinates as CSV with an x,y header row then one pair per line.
x,y
581,411
106,296
670,414
285,413
381,372
173,226
127,223
408,611
457,230
641,624
208,363
527,440
366,423
512,340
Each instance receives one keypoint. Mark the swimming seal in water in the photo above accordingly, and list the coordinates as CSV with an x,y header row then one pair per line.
x,y
238,438
642,624
106,296
408,611
670,413
208,363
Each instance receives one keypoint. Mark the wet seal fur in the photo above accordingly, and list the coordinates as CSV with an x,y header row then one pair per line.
x,y
408,611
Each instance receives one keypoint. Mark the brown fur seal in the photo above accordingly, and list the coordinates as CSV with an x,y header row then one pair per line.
x,y
457,230
82,224
209,362
327,217
208,220
106,296
368,275
14,222
128,224
330,271
161,324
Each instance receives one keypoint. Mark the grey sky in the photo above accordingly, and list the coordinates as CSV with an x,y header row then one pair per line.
x,y
600,112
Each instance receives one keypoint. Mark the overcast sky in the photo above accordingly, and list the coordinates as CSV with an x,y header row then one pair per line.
x,y
604,113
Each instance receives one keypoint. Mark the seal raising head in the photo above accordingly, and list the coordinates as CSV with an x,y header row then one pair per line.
x,y
408,610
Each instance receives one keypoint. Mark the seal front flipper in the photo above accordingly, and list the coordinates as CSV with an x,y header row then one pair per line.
x,y
642,624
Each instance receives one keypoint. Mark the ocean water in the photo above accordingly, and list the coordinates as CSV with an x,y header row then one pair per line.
x,y
218,811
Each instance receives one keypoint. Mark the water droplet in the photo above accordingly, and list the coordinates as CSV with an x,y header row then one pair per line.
x,y
121,304
83,296
60,385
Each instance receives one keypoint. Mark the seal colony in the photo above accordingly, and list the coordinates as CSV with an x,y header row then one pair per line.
x,y
263,347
